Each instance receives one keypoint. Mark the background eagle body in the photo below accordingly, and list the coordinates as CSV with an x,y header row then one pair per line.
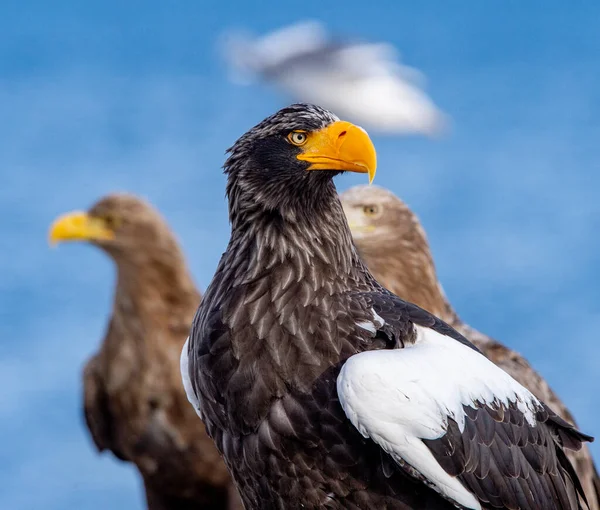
x,y
324,390
392,243
134,401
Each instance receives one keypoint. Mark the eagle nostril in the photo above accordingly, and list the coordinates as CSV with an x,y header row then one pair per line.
x,y
343,133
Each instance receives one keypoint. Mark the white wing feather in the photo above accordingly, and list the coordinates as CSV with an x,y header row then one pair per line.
x,y
398,397
185,377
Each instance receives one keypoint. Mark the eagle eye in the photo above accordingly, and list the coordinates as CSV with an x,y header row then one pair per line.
x,y
371,210
111,221
297,138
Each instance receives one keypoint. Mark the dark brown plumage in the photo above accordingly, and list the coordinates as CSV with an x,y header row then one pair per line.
x,y
134,402
292,306
394,246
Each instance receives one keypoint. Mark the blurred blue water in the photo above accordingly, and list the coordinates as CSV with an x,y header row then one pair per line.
x,y
103,96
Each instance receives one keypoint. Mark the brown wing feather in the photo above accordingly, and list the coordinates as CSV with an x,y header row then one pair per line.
x,y
518,367
155,425
503,460
98,417
213,498
508,464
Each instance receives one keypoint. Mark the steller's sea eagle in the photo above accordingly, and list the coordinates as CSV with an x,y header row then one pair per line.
x,y
394,246
134,401
324,390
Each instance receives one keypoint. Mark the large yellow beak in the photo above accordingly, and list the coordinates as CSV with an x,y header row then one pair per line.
x,y
340,146
79,226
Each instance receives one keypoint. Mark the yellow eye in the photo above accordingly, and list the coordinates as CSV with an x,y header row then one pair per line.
x,y
371,210
298,137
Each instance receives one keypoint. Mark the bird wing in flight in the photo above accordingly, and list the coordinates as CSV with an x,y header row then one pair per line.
x,y
361,80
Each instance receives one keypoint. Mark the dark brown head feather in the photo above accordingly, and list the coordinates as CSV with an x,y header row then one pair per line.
x,y
263,174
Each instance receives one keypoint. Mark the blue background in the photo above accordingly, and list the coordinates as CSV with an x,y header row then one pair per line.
x,y
104,96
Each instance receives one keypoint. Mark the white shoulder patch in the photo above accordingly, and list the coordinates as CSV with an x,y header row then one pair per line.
x,y
374,325
369,326
185,377
398,397
379,322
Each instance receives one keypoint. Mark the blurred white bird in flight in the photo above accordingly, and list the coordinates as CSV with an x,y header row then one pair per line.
x,y
362,82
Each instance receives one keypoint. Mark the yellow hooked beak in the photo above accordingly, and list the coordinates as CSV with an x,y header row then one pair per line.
x,y
79,226
340,146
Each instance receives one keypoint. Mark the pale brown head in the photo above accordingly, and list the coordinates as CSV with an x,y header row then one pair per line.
x,y
119,223
393,245
135,235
